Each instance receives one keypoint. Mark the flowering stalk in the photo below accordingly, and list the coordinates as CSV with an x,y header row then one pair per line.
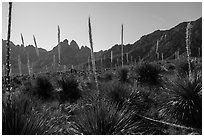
x,y
8,86
101,62
19,65
54,62
22,42
131,60
188,43
157,47
59,45
36,47
111,58
122,45
28,64
92,54
127,58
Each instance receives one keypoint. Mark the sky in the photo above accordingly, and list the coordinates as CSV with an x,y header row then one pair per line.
x,y
42,18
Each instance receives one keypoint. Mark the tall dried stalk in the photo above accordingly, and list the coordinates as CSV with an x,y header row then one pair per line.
x,y
188,43
127,58
8,86
111,58
122,45
19,65
22,42
59,48
101,62
36,47
28,64
157,47
92,54
131,60
54,62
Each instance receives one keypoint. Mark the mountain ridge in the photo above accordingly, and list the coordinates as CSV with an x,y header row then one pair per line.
x,y
170,41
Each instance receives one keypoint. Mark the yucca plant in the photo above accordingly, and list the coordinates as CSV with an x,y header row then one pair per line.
x,y
123,74
139,100
108,76
18,118
117,92
43,88
70,91
183,102
104,118
149,74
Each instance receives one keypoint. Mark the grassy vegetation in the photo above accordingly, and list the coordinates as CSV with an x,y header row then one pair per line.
x,y
143,100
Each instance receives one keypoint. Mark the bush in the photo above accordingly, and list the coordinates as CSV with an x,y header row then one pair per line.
x,y
183,102
149,74
18,118
104,118
108,76
70,91
123,74
139,100
117,92
43,88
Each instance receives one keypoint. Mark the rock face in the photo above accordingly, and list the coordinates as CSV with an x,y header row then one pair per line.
x,y
70,55
169,42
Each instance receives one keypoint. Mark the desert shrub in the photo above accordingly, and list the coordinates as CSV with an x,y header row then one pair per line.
x,y
108,76
123,74
148,74
18,118
116,91
139,100
43,88
183,102
70,91
104,117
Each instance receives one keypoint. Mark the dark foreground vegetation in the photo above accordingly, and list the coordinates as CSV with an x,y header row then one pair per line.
x,y
156,98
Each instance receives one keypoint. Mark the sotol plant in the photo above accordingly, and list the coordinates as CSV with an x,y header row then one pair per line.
x,y
18,118
183,103
149,74
43,88
70,91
